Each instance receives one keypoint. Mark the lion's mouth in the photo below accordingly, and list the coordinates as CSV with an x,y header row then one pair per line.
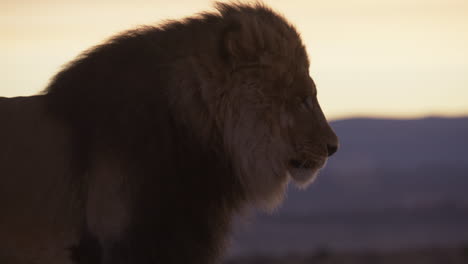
x,y
299,164
304,172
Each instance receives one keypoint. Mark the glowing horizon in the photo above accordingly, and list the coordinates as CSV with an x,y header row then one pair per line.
x,y
387,58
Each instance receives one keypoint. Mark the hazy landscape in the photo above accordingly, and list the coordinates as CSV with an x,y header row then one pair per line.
x,y
406,256
398,187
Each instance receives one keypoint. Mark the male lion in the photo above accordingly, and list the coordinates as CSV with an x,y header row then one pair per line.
x,y
143,148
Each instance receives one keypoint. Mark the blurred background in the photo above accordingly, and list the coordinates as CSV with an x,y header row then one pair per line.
x,y
392,77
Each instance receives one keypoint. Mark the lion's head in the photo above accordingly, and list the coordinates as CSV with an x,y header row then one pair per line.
x,y
265,103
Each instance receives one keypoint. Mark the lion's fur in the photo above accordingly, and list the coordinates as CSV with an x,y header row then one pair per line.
x,y
39,209
173,129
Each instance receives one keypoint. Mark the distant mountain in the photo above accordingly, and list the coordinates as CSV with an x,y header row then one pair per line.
x,y
393,183
402,143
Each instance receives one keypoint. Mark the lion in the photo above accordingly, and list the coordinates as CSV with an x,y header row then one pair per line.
x,y
144,148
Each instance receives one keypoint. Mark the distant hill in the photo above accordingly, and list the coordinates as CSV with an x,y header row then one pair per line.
x,y
393,183
405,143
430,255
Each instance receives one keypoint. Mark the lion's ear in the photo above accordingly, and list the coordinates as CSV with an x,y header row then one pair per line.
x,y
243,44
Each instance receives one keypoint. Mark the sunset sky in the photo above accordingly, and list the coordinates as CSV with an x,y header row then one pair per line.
x,y
390,58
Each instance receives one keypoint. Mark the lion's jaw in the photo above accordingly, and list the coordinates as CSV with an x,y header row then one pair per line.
x,y
304,173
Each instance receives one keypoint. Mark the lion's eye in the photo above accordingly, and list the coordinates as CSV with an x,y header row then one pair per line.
x,y
307,103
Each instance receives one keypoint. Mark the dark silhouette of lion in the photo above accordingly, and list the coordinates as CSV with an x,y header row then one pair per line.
x,y
144,148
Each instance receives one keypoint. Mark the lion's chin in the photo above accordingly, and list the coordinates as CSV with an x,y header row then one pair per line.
x,y
302,177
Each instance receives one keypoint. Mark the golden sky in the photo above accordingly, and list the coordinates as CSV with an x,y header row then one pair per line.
x,y
393,58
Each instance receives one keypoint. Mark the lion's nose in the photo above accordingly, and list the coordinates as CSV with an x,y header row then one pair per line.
x,y
331,149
